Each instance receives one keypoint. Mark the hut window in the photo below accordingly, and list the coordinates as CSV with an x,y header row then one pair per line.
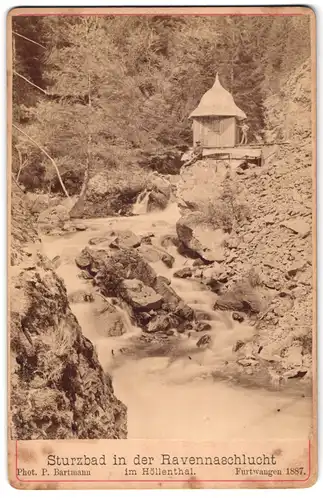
x,y
215,126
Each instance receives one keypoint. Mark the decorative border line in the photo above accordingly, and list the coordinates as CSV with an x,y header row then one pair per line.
x,y
166,480
256,13
43,14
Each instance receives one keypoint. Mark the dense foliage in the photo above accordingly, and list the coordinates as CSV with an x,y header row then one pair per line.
x,y
114,92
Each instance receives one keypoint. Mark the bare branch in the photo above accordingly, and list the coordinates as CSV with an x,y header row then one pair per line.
x,y
48,156
30,83
21,164
29,40
18,185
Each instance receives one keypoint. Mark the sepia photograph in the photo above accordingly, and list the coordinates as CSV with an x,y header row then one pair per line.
x,y
162,189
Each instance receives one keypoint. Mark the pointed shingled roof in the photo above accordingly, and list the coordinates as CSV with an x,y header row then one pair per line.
x,y
218,102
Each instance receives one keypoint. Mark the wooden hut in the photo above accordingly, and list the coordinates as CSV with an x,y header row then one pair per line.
x,y
215,120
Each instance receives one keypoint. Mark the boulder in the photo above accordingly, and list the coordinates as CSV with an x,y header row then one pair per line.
x,y
184,311
159,184
123,239
53,219
99,199
56,261
83,261
212,276
129,264
80,227
172,300
168,240
161,323
37,203
156,201
201,326
269,219
139,296
198,262
237,317
204,241
204,341
270,352
186,272
121,265
159,190
156,195
108,320
233,242
238,345
164,280
293,356
153,253
92,260
242,297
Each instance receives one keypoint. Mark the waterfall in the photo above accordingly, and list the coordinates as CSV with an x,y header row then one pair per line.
x,y
141,205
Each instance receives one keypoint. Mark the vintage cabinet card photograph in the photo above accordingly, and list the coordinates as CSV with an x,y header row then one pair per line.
x,y
162,238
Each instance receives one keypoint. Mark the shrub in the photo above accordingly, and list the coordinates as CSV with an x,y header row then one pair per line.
x,y
224,212
33,176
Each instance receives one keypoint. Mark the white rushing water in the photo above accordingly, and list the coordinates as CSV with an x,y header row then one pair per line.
x,y
176,396
141,205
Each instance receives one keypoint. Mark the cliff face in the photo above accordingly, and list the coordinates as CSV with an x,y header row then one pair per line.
x,y
58,387
277,244
274,242
288,113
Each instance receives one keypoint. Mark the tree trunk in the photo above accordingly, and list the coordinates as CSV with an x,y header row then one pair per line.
x,y
78,208
21,165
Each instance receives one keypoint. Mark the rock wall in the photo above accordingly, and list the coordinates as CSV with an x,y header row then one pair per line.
x,y
266,275
288,113
276,245
58,388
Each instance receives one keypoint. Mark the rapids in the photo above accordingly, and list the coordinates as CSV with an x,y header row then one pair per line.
x,y
175,396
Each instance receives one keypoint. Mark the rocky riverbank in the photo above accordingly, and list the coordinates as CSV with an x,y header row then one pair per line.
x,y
246,243
58,387
262,268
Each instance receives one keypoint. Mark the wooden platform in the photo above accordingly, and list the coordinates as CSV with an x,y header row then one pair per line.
x,y
236,153
254,153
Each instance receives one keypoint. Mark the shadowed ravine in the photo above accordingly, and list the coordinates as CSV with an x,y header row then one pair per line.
x,y
173,394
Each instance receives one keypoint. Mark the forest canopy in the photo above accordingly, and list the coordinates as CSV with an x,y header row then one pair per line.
x,y
111,94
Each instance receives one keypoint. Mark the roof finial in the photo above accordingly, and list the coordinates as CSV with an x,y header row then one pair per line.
x,y
217,81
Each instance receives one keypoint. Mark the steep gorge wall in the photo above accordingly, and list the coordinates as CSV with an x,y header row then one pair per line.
x,y
274,243
288,113
58,389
